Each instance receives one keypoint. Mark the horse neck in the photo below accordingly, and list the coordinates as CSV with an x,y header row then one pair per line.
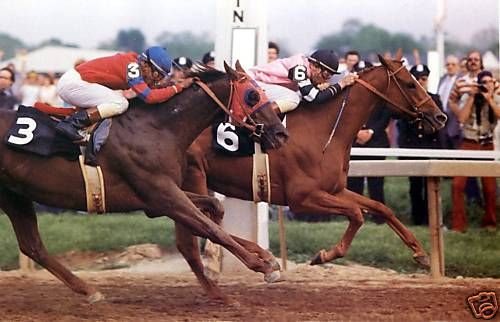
x,y
358,107
186,115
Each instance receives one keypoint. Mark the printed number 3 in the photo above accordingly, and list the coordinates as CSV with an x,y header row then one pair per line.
x,y
226,137
27,133
299,73
133,70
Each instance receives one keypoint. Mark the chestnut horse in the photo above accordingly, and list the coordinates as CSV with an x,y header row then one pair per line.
x,y
307,174
143,163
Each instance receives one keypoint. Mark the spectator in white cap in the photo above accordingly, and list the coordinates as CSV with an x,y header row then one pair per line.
x,y
180,66
209,59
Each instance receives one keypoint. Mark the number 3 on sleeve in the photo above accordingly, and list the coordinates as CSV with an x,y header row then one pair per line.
x,y
133,70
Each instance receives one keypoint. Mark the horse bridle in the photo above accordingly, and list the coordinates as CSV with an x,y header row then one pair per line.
x,y
413,111
256,129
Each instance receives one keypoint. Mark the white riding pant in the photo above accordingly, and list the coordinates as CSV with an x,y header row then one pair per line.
x,y
286,99
77,92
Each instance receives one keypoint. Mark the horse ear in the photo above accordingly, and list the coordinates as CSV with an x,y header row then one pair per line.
x,y
238,67
382,60
399,54
231,72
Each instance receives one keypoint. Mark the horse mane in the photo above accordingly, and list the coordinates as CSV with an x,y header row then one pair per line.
x,y
205,73
365,70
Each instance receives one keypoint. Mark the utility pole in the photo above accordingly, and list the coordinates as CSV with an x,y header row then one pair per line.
x,y
439,27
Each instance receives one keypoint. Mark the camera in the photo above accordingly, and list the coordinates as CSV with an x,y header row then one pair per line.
x,y
483,88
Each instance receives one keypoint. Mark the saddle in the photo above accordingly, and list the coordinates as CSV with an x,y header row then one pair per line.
x,y
34,132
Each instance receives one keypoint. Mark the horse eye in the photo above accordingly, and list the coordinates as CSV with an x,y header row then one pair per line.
x,y
252,97
411,85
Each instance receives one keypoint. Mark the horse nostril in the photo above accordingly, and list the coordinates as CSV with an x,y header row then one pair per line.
x,y
441,118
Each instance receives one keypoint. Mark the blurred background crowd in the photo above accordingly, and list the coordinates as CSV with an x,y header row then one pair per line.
x,y
29,73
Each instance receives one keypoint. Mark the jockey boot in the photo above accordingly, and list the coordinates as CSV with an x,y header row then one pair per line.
x,y
70,126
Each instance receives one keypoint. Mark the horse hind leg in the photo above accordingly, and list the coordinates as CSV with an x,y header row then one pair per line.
x,y
419,254
23,218
321,202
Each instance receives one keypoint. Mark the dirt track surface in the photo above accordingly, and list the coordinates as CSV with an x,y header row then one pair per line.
x,y
354,293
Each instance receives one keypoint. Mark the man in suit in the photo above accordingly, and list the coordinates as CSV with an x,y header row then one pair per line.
x,y
451,134
372,135
411,137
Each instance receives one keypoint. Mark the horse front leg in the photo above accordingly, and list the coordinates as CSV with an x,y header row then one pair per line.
x,y
187,244
372,206
23,218
165,198
321,202
215,209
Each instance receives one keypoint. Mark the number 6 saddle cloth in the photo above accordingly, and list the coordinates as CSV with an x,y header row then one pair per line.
x,y
233,141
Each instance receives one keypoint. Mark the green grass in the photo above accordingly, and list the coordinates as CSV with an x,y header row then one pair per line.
x,y
475,253
65,232
397,198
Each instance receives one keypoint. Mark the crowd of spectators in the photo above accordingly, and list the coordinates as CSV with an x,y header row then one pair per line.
x,y
467,93
470,96
17,88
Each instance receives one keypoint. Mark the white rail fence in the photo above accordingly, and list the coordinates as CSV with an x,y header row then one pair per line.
x,y
465,163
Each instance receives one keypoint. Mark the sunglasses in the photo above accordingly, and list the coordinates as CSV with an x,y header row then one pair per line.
x,y
487,81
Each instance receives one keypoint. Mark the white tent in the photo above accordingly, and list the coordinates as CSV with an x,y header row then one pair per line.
x,y
54,59
490,61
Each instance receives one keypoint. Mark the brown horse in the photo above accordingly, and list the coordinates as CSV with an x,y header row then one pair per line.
x,y
143,162
307,174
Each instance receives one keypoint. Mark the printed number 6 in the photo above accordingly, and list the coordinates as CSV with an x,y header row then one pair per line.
x,y
226,137
133,70
27,133
299,73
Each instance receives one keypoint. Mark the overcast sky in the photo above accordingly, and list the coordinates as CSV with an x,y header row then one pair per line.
x,y
296,23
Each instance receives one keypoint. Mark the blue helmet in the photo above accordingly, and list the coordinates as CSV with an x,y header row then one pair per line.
x,y
159,58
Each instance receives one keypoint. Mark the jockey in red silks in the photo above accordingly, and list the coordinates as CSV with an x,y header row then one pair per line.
x,y
93,86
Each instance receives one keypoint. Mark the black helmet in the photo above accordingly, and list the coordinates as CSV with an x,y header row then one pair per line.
x,y
327,59
208,57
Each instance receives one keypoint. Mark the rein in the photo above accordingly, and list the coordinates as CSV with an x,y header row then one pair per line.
x,y
414,112
254,128
344,102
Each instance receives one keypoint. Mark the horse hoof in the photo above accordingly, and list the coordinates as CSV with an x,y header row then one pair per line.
x,y
422,260
318,258
96,297
211,274
275,265
272,277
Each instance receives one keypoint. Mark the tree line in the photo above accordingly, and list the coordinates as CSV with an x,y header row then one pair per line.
x,y
368,39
